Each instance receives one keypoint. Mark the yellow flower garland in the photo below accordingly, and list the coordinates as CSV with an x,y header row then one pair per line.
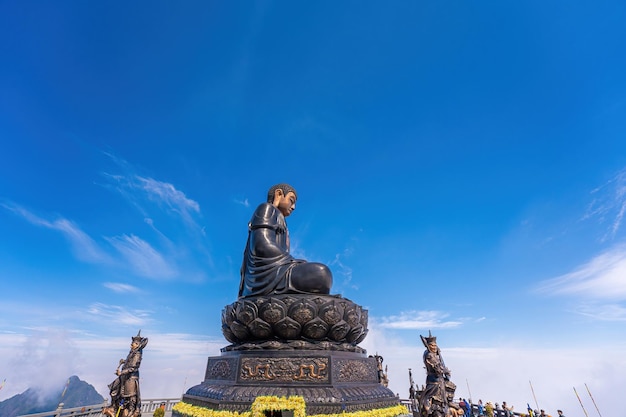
x,y
295,403
380,412
272,403
188,410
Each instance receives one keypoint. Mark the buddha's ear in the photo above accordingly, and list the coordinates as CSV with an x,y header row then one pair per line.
x,y
277,194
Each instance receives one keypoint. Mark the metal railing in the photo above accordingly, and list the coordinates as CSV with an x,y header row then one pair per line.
x,y
147,408
86,411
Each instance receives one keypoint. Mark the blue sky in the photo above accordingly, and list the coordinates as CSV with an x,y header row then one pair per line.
x,y
461,167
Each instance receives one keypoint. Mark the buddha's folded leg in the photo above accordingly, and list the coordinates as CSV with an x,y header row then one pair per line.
x,y
312,277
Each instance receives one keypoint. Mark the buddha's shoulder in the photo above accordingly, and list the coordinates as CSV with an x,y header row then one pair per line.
x,y
265,214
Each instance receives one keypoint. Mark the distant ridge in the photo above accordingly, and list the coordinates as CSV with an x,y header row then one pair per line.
x,y
79,393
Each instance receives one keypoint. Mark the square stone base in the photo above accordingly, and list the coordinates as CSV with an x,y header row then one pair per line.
x,y
329,381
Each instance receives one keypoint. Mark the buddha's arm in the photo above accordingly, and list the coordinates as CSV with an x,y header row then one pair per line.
x,y
263,243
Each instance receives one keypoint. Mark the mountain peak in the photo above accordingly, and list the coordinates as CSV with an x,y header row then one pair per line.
x,y
74,393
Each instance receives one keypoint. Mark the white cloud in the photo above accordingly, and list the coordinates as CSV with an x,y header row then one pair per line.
x,y
174,362
342,269
121,288
137,188
118,315
142,258
609,204
495,372
603,312
244,202
418,320
171,362
602,278
83,246
166,193
44,361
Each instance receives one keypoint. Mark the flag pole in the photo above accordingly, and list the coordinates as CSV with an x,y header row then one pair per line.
x,y
533,391
468,389
67,384
581,403
594,401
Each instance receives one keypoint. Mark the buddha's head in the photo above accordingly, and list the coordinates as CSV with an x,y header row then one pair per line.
x,y
283,197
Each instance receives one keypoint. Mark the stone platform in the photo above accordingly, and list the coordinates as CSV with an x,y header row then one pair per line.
x,y
329,382
293,345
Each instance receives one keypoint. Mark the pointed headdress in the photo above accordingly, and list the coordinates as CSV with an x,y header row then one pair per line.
x,y
143,341
429,339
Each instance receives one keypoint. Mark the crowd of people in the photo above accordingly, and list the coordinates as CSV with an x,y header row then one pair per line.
x,y
490,409
437,399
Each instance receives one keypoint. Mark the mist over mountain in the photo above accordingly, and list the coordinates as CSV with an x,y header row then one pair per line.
x,y
78,393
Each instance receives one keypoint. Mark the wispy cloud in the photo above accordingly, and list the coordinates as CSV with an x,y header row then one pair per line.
x,y
163,192
143,259
603,312
138,188
112,314
243,202
167,210
341,268
601,278
609,204
139,255
418,320
121,288
83,246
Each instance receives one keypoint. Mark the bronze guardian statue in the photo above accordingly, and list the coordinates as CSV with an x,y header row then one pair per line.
x,y
436,399
124,390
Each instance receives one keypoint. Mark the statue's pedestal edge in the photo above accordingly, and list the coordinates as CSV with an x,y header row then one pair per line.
x,y
329,381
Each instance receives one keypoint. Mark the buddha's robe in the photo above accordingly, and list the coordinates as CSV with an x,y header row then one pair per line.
x,y
267,266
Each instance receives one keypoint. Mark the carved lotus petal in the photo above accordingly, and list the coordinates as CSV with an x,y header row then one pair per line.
x,y
315,329
240,330
361,338
364,314
352,315
273,311
331,313
228,315
273,344
339,331
246,311
318,300
303,311
287,318
354,333
260,329
228,334
287,328
288,300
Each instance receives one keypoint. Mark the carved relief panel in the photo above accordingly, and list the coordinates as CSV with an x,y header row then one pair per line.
x,y
351,370
294,370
